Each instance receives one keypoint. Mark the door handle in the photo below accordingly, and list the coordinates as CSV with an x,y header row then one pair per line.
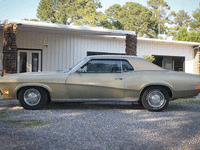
x,y
118,78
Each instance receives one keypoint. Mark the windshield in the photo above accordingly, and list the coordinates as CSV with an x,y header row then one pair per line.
x,y
76,66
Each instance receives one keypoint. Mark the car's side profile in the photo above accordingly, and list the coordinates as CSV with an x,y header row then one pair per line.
x,y
102,78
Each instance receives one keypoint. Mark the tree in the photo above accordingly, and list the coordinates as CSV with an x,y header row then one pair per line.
x,y
184,35
193,37
195,23
178,19
182,18
46,11
80,12
111,18
160,8
31,20
131,16
138,18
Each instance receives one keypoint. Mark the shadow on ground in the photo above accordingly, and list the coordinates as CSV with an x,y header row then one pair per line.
x,y
105,105
97,105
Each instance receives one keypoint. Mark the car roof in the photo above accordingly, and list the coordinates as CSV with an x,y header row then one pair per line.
x,y
139,63
114,56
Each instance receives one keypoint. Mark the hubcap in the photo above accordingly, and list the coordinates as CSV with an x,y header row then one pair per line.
x,y
156,98
32,97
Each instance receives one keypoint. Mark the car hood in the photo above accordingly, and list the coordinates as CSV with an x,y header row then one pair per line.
x,y
34,77
34,73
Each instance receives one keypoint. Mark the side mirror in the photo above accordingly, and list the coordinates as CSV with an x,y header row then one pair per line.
x,y
79,70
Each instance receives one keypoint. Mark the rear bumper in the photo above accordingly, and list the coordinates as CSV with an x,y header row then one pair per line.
x,y
185,94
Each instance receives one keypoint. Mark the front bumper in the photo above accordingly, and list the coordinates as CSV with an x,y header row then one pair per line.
x,y
7,95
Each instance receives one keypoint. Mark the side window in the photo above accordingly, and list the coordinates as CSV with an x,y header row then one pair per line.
x,y
126,67
101,66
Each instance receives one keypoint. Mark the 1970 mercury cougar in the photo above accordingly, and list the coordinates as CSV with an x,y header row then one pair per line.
x,y
102,78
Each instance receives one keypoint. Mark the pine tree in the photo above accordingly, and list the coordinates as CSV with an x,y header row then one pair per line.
x,y
78,12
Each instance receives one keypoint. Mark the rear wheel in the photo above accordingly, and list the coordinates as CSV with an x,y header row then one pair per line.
x,y
155,99
33,97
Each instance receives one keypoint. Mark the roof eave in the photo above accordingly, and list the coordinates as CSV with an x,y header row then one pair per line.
x,y
83,29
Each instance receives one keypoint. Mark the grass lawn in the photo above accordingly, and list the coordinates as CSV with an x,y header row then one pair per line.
x,y
185,101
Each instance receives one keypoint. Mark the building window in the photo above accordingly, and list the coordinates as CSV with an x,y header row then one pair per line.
x,y
89,53
174,63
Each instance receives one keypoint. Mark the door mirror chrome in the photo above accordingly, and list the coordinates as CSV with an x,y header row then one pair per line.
x,y
79,71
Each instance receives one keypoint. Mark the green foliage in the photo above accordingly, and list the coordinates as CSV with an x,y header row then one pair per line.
x,y
178,19
195,23
46,11
111,18
185,101
78,12
193,37
182,18
131,16
138,18
24,123
160,8
149,58
31,19
184,35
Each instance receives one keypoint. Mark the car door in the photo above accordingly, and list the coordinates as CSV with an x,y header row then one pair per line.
x,y
132,80
97,79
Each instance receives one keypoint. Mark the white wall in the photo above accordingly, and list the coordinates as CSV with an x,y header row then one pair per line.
x,y
64,51
168,49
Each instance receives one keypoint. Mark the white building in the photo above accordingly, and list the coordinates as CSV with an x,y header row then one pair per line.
x,y
50,47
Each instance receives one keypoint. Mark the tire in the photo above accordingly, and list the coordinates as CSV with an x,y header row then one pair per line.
x,y
155,99
33,98
140,103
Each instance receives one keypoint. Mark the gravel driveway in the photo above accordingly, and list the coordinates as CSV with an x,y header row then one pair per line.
x,y
99,126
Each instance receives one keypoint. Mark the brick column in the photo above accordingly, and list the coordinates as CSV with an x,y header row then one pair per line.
x,y
197,61
9,49
131,45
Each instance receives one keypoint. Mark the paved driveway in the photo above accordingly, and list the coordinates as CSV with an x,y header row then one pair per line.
x,y
99,126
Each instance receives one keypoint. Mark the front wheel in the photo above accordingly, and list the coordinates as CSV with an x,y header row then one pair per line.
x,y
155,99
33,98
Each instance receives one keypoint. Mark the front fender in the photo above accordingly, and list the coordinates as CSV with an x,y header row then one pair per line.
x,y
32,84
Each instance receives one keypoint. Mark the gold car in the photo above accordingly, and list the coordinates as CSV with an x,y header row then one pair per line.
x,y
102,78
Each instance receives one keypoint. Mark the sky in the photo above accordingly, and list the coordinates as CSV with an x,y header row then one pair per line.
x,y
21,9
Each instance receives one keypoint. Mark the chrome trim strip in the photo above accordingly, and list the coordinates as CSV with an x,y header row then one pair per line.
x,y
98,100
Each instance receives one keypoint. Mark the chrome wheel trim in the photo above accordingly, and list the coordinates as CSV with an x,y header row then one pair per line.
x,y
155,98
32,97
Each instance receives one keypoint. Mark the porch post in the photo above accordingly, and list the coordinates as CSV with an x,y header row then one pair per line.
x,y
131,45
197,61
9,49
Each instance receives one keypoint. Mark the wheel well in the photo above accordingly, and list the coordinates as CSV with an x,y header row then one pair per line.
x,y
49,97
165,87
